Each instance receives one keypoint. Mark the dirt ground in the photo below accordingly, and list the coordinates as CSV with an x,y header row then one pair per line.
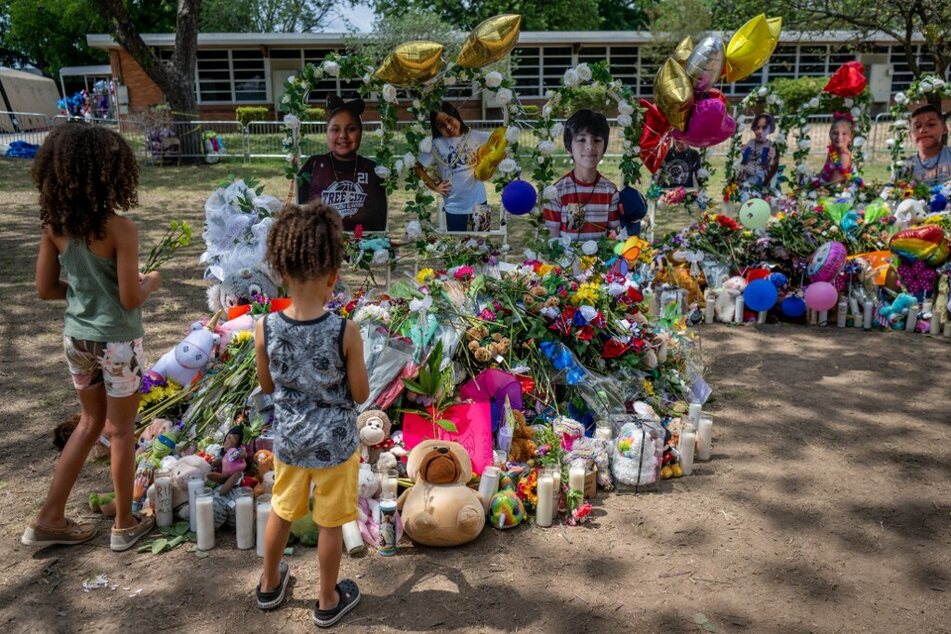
x,y
826,507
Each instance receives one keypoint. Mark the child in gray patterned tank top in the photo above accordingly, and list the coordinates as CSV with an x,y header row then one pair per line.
x,y
312,362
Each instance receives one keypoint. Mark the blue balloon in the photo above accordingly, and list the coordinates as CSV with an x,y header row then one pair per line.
x,y
519,197
760,295
793,306
778,279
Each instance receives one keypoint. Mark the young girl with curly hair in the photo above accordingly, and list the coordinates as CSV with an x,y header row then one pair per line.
x,y
89,256
311,360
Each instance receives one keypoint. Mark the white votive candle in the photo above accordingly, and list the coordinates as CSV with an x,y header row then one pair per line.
x,y
693,412
738,308
263,513
709,313
823,318
352,539
195,485
935,322
205,509
867,315
390,484
244,518
688,442
163,499
704,438
947,329
841,313
543,512
555,489
761,317
911,322
854,306
489,485
576,477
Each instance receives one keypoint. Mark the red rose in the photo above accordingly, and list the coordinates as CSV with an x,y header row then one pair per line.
x,y
613,349
358,232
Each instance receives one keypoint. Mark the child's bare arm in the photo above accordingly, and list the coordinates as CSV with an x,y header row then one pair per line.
x,y
48,283
260,358
356,367
134,288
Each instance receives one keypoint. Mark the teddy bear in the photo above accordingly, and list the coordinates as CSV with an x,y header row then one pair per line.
x,y
910,212
376,446
264,465
523,440
896,313
182,469
239,287
439,509
186,362
725,303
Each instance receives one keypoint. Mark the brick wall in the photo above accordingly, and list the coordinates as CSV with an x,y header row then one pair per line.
x,y
142,90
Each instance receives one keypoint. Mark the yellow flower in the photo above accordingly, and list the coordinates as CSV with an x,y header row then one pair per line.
x,y
587,293
780,216
648,388
240,338
545,269
747,234
588,261
425,276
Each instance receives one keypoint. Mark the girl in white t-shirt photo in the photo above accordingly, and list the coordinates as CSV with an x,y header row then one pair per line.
x,y
454,150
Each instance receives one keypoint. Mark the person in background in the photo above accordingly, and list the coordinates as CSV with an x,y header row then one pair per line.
x,y
680,167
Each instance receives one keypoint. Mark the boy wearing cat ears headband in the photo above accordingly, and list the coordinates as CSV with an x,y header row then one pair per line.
x,y
341,178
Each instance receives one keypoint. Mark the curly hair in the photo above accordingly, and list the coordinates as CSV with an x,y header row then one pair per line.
x,y
306,241
84,174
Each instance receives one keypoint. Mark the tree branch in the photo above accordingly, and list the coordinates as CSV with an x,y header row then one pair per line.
x,y
128,36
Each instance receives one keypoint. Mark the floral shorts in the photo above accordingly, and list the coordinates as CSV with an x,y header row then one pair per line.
x,y
118,364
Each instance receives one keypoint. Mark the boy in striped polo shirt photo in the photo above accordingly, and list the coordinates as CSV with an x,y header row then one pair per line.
x,y
586,205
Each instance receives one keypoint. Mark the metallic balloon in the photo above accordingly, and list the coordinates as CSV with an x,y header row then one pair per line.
x,y
411,63
751,46
705,64
683,50
673,93
490,41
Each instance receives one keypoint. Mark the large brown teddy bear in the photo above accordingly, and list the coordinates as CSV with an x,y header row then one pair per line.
x,y
523,443
439,509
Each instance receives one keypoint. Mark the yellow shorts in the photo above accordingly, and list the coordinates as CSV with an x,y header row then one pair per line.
x,y
335,492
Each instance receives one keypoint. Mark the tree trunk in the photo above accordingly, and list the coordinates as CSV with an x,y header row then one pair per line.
x,y
177,80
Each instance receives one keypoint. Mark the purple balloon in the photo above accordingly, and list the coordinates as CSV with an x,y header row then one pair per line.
x,y
709,124
821,296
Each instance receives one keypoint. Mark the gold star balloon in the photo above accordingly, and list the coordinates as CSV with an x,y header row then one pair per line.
x,y
673,93
411,63
683,50
490,41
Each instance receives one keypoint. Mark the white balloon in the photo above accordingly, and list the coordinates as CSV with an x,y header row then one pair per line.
x,y
705,64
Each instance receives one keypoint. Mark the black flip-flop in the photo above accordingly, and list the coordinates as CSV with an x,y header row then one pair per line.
x,y
349,598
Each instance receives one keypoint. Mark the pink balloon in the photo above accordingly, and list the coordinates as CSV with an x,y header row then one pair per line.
x,y
821,296
709,124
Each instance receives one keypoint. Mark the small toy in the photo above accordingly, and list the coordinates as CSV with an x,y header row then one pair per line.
x,y
376,446
523,440
186,362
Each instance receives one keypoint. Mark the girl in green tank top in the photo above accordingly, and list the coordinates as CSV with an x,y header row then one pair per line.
x,y
89,257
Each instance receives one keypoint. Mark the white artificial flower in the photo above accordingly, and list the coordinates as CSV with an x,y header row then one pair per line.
x,y
381,257
512,134
541,159
813,103
413,229
382,171
546,112
378,132
626,145
571,78
331,68
550,193
588,312
285,99
848,102
703,173
450,80
584,71
901,123
426,145
937,82
398,166
901,98
856,112
804,144
366,78
802,168
624,107
549,94
926,86
636,149
291,79
409,160
513,108
416,104
418,129
503,96
389,93
590,247
557,130
508,165
416,305
858,141
614,289
762,91
771,99
493,79
624,120
292,122
890,143
781,139
546,148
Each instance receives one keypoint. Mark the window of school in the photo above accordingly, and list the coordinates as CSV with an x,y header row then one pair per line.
x,y
230,76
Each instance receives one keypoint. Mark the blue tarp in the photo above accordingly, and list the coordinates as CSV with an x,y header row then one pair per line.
x,y
22,149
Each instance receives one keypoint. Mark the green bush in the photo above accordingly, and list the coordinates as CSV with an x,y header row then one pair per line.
x,y
315,114
246,114
795,93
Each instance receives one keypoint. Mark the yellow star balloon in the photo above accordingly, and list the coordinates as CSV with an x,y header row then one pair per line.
x,y
490,41
683,50
411,63
751,46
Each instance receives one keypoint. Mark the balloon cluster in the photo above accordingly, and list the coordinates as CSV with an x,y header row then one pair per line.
x,y
414,63
688,106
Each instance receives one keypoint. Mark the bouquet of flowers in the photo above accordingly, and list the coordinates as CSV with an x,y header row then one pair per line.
x,y
691,200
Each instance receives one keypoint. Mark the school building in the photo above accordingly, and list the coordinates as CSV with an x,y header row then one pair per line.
x,y
244,69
